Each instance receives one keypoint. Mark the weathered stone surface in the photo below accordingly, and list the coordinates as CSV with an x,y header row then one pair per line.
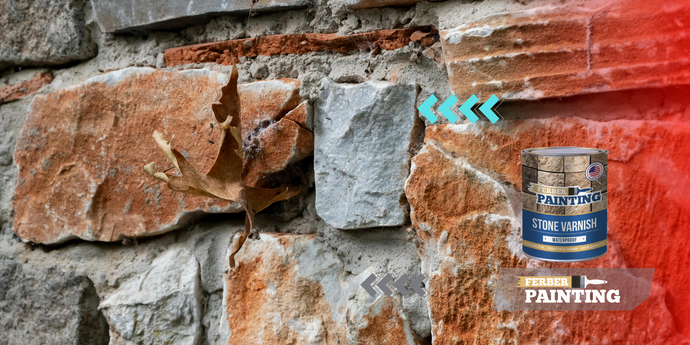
x,y
45,32
11,119
118,15
228,52
648,164
83,178
362,134
48,306
16,91
290,289
161,307
280,144
555,51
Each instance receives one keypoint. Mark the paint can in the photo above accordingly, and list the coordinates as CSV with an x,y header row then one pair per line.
x,y
564,203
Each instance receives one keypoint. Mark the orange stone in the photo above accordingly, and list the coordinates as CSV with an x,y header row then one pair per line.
x,y
82,150
228,52
16,91
559,51
285,142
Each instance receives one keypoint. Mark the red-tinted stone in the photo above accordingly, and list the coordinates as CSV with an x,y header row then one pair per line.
x,y
468,233
82,150
559,50
16,91
227,52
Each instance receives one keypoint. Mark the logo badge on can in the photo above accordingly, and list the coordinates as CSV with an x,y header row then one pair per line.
x,y
594,171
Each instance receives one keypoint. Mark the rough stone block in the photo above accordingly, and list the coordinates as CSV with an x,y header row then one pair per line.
x,y
48,306
13,92
160,307
361,136
12,117
118,15
280,144
555,51
289,289
462,217
228,52
44,32
84,177
441,186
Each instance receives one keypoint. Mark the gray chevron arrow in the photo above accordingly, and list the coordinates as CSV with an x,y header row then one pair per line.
x,y
416,285
382,284
400,285
367,285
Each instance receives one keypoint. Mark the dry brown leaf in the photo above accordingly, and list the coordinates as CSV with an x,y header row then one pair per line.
x,y
224,179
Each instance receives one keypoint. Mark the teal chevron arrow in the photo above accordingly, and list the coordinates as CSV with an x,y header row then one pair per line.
x,y
425,109
445,109
486,109
466,109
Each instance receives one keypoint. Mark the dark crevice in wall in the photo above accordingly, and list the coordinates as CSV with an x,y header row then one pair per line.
x,y
93,328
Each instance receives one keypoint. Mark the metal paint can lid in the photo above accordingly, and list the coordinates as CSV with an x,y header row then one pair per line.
x,y
561,151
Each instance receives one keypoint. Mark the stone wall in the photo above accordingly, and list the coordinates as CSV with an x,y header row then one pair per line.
x,y
94,251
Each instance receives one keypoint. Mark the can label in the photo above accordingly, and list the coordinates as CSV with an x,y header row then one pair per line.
x,y
564,207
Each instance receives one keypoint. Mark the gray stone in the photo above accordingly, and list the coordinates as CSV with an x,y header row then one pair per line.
x,y
383,251
215,320
120,15
48,306
163,306
362,134
12,117
43,32
112,266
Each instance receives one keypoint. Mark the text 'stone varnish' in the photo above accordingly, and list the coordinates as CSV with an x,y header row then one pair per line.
x,y
564,203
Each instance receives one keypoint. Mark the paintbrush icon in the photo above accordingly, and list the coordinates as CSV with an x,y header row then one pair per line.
x,y
575,190
582,282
